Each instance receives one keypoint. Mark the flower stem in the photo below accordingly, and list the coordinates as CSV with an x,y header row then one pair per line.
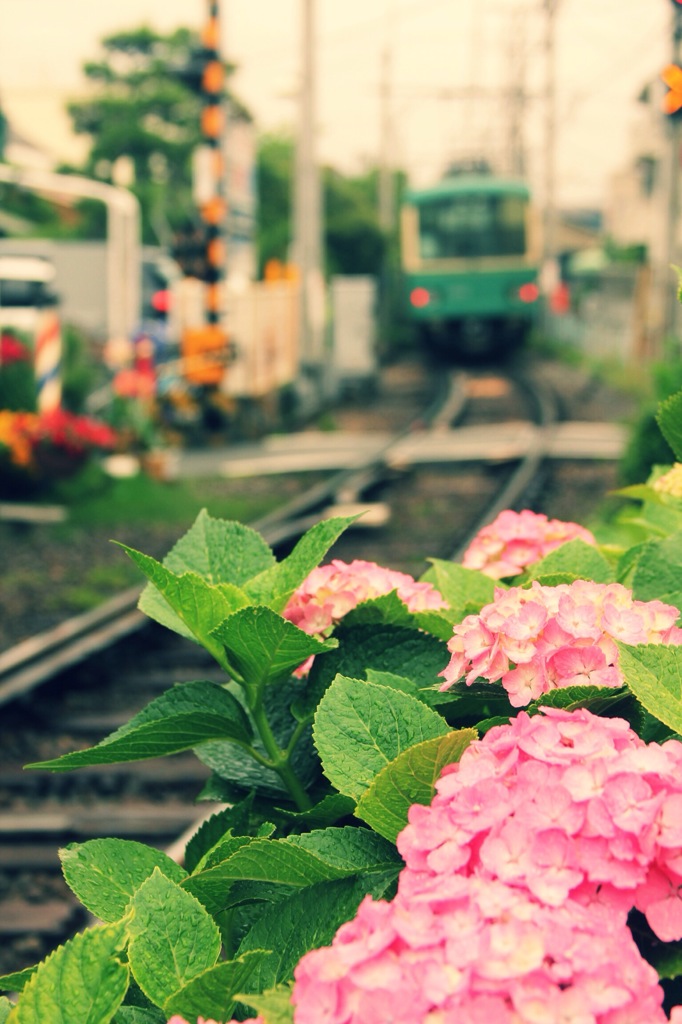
x,y
280,759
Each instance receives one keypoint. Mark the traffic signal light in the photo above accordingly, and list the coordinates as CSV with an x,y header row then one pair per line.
x,y
672,101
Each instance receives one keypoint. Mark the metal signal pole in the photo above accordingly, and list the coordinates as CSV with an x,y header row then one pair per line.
x,y
205,348
213,206
308,202
672,188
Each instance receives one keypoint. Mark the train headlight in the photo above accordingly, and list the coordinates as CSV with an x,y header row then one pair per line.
x,y
528,292
420,297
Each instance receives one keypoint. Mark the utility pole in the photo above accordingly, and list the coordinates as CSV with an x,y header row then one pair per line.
x,y
668,293
386,196
307,203
549,234
516,96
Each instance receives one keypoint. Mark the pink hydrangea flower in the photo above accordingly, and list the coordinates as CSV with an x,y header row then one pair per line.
x,y
512,905
538,639
517,539
330,591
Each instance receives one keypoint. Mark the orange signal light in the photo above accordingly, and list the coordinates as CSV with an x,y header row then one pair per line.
x,y
672,101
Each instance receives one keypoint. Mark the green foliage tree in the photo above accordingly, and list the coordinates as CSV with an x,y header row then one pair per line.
x,y
142,107
354,242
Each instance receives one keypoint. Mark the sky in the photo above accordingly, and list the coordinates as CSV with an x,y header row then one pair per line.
x,y
446,67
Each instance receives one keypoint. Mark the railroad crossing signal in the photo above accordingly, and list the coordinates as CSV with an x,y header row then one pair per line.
x,y
672,101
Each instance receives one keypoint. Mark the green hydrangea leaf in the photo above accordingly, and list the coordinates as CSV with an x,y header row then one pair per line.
x,y
387,608
292,863
264,647
327,812
275,585
187,603
669,419
104,873
273,1006
89,969
139,1015
654,674
221,551
172,938
16,981
360,727
575,558
408,653
212,995
5,1008
233,820
465,590
597,699
658,572
409,779
183,717
307,920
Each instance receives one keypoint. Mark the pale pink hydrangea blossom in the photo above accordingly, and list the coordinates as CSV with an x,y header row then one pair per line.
x,y
517,539
540,638
330,591
513,903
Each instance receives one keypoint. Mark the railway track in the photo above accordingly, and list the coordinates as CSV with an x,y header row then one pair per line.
x,y
96,671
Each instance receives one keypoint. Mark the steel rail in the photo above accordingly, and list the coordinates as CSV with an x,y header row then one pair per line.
x,y
35,660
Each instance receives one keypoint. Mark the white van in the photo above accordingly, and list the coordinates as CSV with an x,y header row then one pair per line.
x,y
25,290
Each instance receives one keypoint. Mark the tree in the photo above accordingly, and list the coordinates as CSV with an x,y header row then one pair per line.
x,y
142,108
353,240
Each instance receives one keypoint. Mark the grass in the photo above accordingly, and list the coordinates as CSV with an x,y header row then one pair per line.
x,y
94,499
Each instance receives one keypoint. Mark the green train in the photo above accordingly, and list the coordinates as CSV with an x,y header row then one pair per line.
x,y
470,255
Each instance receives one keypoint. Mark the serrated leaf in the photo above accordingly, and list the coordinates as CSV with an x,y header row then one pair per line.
x,y
139,1015
307,920
654,674
220,550
273,1006
597,699
403,652
409,779
327,812
264,647
387,609
275,585
294,863
360,727
16,981
104,873
172,938
233,820
669,419
439,622
212,995
5,1008
183,717
465,590
188,604
658,572
464,705
552,579
578,559
88,968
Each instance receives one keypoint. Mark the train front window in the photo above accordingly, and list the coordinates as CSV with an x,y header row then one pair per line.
x,y
455,227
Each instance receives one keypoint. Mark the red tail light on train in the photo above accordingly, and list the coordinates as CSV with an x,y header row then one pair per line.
x,y
528,292
420,297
